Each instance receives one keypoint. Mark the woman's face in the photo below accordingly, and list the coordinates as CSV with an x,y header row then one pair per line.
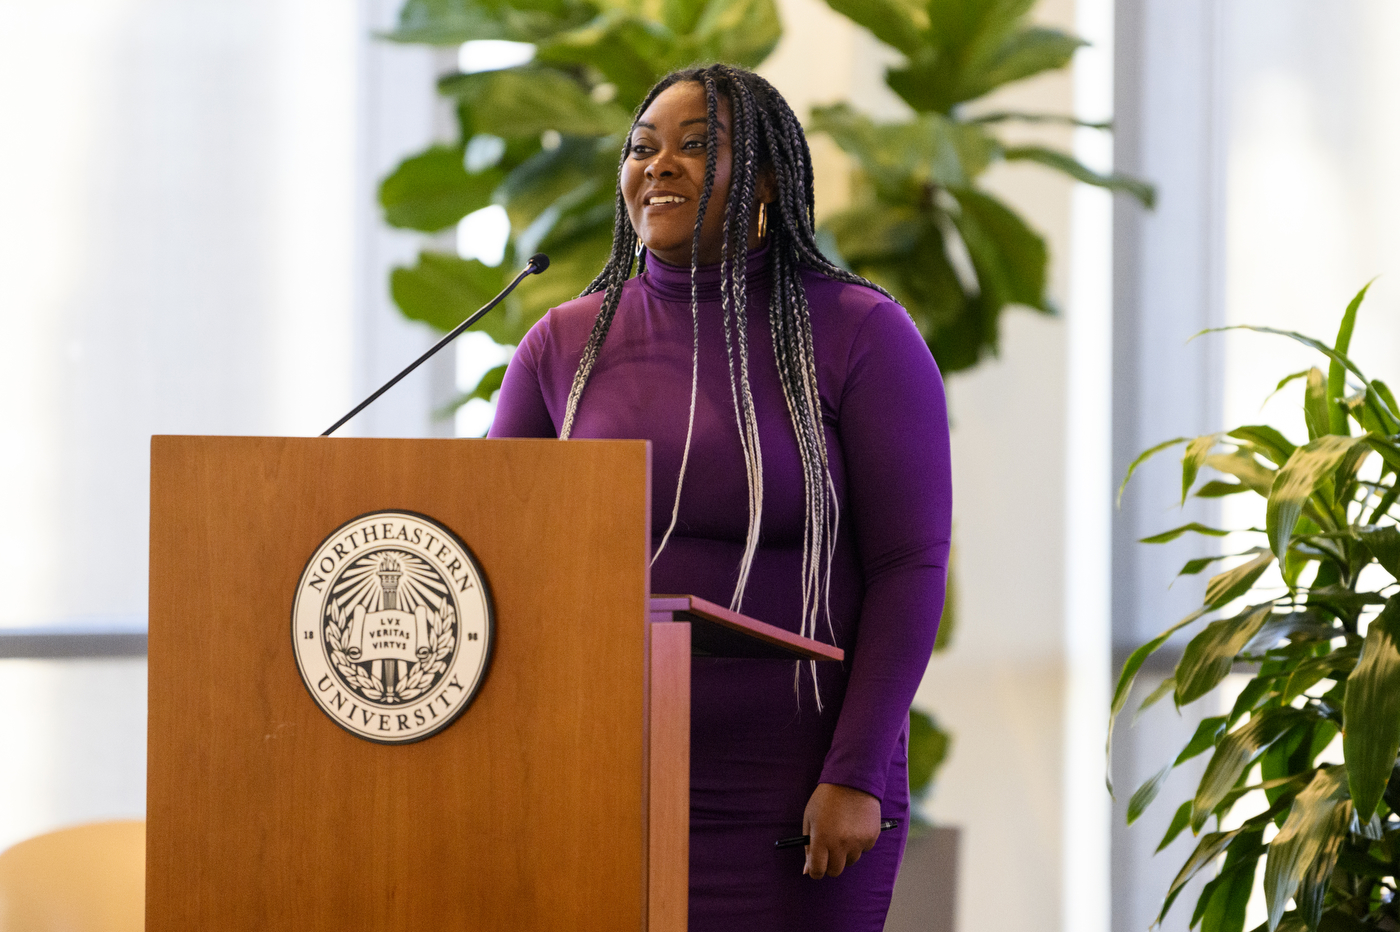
x,y
663,176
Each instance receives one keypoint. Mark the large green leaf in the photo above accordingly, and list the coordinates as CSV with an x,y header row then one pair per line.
x,y
442,289
1009,257
1234,754
432,190
529,100
1308,468
447,22
1023,54
903,158
1371,738
743,32
891,21
1069,165
1210,654
1307,843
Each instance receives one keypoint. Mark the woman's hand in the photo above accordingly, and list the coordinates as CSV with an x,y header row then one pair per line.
x,y
844,824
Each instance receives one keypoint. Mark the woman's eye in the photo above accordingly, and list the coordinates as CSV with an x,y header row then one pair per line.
x,y
694,144
640,151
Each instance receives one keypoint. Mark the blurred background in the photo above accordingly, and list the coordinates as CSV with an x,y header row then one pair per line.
x,y
191,241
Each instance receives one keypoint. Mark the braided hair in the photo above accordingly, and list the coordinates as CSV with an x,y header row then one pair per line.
x,y
765,134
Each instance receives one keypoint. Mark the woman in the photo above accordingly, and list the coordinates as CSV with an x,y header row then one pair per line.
x,y
800,475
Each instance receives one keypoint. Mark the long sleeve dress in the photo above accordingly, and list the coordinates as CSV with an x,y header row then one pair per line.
x,y
759,747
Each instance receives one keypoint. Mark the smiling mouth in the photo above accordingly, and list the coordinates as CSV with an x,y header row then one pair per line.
x,y
661,199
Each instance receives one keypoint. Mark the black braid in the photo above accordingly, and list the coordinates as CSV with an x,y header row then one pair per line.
x,y
766,134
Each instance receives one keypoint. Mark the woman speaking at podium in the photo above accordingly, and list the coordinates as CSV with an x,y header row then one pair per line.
x,y
800,475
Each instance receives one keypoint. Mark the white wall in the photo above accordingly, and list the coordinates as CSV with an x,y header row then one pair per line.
x,y
188,244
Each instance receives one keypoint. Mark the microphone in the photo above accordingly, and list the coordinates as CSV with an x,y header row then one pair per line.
x,y
537,264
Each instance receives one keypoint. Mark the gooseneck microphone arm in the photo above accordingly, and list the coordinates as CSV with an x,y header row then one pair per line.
x,y
537,264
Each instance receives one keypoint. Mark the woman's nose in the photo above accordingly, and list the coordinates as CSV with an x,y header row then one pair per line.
x,y
660,167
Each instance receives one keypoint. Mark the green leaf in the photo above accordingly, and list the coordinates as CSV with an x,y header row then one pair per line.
x,y
1180,820
1307,844
1210,847
888,20
1308,468
446,22
1235,582
1143,457
1129,673
1210,654
1315,406
1143,192
1272,444
1217,489
1208,732
1290,625
1195,566
1336,374
486,387
743,32
1371,737
1224,907
1318,345
1383,540
1010,258
526,101
443,289
1164,688
432,190
928,749
1195,527
1243,466
1024,54
1234,754
1191,461
1147,792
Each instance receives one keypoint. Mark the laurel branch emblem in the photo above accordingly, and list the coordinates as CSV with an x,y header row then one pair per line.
x,y
421,675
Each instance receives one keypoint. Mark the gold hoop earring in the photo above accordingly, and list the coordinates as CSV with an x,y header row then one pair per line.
x,y
762,221
636,253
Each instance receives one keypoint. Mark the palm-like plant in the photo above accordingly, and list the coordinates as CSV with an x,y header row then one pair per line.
x,y
920,225
1325,650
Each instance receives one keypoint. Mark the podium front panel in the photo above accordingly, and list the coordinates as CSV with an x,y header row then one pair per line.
x,y
529,812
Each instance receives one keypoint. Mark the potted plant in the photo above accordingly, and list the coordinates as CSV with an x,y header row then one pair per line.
x,y
1317,727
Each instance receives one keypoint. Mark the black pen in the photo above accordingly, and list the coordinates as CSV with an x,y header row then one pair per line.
x,y
799,841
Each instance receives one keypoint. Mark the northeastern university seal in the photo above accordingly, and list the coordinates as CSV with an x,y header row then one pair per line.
x,y
392,626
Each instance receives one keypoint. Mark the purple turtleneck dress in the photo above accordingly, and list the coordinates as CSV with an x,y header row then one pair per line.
x,y
757,749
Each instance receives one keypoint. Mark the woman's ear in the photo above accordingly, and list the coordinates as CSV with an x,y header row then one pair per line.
x,y
765,185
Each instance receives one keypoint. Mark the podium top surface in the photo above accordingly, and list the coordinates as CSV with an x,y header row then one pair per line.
x,y
715,631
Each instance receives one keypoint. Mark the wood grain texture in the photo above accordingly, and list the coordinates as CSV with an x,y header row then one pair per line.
x,y
669,802
718,632
529,812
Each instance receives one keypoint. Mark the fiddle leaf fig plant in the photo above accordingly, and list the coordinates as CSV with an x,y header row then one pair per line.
x,y
1322,640
920,223
542,140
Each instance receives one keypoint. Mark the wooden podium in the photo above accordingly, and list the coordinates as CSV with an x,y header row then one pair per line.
x,y
559,799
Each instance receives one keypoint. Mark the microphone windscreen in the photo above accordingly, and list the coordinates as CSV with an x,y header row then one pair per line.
x,y
539,262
